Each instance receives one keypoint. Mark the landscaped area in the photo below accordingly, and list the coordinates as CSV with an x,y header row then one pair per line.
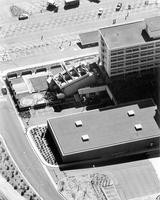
x,y
39,135
89,186
13,176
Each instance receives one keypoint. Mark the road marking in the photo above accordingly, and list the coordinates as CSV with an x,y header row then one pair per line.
x,y
50,177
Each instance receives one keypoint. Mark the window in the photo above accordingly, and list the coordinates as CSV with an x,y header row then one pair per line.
x,y
128,50
120,64
135,55
143,47
114,65
150,46
113,59
157,57
113,53
145,53
119,70
131,69
120,52
157,63
150,58
158,50
135,49
150,52
103,50
150,65
128,56
120,58
135,61
143,60
157,44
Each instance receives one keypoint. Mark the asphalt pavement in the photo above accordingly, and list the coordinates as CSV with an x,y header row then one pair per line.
x,y
22,153
56,27
43,34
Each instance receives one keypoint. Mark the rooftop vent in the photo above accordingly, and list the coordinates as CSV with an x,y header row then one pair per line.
x,y
78,123
138,127
85,138
131,113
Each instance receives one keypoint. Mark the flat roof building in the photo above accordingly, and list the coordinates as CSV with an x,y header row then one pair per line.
x,y
89,38
121,36
153,27
105,134
131,47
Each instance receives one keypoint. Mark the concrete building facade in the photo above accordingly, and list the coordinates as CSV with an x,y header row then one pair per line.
x,y
105,134
131,47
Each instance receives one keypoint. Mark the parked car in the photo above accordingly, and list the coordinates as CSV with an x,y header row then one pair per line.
x,y
71,3
119,6
100,11
23,16
129,7
4,90
52,6
146,3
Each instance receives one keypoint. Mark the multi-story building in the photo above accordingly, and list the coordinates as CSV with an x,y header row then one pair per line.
x,y
130,47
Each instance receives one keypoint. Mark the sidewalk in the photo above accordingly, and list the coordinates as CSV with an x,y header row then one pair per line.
x,y
8,190
54,56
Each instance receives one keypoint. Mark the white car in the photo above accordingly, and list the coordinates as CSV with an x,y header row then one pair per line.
x,y
23,16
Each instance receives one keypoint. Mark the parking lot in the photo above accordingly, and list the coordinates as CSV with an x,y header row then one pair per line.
x,y
53,33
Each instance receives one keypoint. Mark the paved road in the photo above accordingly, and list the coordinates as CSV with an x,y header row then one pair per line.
x,y
23,39
22,153
48,21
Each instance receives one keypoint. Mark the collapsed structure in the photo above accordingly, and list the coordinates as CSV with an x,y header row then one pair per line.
x,y
70,80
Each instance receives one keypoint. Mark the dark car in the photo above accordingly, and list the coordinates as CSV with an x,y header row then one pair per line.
x,y
129,7
4,90
52,6
119,6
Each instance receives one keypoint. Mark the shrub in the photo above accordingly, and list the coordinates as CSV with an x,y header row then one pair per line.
x,y
7,167
22,193
16,172
15,187
8,179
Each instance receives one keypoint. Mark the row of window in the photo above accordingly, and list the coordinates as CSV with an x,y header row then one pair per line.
x,y
145,53
136,55
143,59
146,59
132,62
131,55
119,58
132,69
136,49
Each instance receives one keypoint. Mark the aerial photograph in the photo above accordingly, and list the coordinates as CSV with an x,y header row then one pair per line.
x,y
79,99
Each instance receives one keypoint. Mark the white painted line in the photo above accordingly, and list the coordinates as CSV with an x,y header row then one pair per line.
x,y
156,165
